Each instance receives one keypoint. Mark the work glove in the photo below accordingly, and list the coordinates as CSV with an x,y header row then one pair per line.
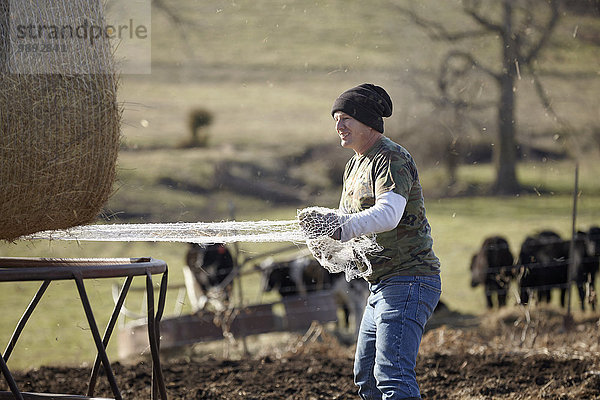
x,y
316,224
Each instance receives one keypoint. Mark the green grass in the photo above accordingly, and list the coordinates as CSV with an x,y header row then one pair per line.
x,y
58,332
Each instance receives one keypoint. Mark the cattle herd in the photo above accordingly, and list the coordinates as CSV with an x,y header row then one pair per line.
x,y
210,270
545,262
303,274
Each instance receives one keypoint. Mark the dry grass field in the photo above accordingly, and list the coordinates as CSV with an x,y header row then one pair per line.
x,y
500,357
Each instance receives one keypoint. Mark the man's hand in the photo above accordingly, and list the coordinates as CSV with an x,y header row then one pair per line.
x,y
316,224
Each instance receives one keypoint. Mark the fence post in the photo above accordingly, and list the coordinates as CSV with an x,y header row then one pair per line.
x,y
568,321
238,264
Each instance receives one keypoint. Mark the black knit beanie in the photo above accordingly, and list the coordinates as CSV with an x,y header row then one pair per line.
x,y
367,103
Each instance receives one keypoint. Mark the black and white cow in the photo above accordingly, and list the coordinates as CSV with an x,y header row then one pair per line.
x,y
207,275
303,274
491,267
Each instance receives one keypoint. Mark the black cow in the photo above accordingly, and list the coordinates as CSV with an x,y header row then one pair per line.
x,y
593,251
208,266
303,274
593,242
491,267
586,262
543,263
298,276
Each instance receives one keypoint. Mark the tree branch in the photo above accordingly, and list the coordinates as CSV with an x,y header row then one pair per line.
x,y
471,60
544,99
569,130
471,7
171,14
546,32
443,99
177,21
435,30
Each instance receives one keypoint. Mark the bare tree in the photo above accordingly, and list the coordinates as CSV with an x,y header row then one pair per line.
x,y
181,23
523,28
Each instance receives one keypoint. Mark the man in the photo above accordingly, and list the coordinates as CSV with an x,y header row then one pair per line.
x,y
382,194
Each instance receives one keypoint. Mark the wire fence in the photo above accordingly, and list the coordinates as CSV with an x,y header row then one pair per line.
x,y
544,262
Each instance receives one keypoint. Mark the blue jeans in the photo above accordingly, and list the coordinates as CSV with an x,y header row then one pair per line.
x,y
390,334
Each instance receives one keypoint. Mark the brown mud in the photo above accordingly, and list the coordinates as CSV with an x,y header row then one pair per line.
x,y
506,355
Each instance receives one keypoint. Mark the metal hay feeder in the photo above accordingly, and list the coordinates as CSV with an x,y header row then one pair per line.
x,y
46,270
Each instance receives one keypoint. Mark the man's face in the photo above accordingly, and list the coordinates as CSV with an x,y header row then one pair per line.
x,y
354,134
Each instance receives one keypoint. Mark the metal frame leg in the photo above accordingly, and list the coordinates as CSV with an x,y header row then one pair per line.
x,y
89,270
159,313
108,333
24,318
15,336
158,383
11,381
96,334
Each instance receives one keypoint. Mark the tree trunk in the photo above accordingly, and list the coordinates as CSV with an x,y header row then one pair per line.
x,y
505,152
4,35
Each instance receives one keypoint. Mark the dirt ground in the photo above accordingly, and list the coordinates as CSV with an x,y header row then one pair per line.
x,y
500,356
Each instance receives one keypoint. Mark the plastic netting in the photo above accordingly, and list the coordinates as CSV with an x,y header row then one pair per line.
x,y
350,257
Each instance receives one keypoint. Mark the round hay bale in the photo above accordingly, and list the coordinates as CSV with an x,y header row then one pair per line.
x,y
59,131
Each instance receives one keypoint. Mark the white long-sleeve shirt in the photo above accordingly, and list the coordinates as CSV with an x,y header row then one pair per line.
x,y
384,216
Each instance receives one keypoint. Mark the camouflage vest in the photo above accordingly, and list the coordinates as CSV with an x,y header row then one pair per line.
x,y
407,249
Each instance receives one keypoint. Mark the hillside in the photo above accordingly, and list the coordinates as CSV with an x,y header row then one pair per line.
x,y
269,72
